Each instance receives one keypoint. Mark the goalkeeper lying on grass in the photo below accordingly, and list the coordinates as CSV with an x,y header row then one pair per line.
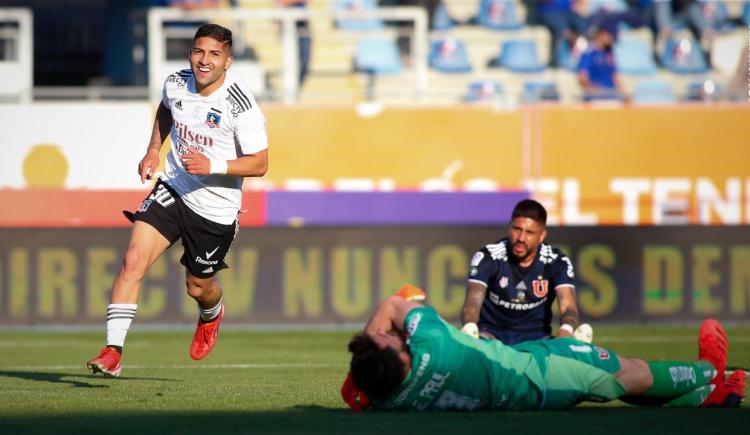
x,y
408,358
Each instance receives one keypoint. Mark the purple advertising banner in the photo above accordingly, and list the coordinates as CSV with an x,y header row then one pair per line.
x,y
391,208
337,275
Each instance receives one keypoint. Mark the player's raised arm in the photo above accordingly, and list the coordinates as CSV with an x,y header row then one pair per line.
x,y
390,315
159,133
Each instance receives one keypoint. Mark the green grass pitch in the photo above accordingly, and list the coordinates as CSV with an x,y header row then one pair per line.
x,y
288,382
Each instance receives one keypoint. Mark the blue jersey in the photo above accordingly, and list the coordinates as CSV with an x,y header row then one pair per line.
x,y
518,302
600,67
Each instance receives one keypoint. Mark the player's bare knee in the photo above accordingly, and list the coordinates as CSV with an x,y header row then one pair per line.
x,y
196,287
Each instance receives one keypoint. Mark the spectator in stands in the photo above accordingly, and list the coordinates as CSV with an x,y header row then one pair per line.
x,y
639,13
704,17
597,72
304,40
564,19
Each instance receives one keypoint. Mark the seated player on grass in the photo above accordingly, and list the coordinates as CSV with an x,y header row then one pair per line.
x,y
408,358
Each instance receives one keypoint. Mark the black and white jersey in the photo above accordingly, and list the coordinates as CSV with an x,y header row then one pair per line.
x,y
224,125
519,298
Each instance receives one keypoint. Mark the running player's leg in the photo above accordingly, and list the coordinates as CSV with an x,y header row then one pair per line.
x,y
146,244
207,293
206,244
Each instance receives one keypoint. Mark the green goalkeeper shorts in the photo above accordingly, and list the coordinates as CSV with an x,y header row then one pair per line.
x,y
577,372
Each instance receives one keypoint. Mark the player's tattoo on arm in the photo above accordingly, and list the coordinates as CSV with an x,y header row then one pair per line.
x,y
570,317
473,303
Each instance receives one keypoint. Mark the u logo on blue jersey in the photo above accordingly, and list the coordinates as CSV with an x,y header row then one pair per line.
x,y
541,287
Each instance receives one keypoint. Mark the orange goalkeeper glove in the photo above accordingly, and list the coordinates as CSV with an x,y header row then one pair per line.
x,y
356,399
411,293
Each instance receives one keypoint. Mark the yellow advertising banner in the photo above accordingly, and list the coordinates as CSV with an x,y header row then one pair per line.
x,y
589,165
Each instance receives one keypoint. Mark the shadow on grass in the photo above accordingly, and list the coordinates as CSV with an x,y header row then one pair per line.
x,y
74,379
312,419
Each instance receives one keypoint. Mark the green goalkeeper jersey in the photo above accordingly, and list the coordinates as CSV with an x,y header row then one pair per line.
x,y
453,371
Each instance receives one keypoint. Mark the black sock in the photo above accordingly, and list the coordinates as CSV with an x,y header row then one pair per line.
x,y
117,348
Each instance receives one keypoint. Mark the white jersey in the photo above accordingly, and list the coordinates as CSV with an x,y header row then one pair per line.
x,y
224,125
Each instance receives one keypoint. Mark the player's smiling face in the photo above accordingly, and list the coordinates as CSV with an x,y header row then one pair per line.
x,y
525,236
209,60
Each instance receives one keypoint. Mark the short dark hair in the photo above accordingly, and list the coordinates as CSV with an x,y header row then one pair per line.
x,y
531,209
214,31
377,372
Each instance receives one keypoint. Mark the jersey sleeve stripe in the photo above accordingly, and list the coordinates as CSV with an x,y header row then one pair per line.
x,y
236,98
241,95
565,285
482,283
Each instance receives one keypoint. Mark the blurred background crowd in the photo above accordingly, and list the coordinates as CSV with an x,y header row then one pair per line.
x,y
475,51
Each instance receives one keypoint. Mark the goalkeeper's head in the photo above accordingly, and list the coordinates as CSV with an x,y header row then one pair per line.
x,y
378,364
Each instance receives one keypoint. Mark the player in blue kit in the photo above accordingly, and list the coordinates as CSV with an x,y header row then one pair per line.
x,y
513,283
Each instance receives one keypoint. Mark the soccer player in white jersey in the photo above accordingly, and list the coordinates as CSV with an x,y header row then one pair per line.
x,y
218,137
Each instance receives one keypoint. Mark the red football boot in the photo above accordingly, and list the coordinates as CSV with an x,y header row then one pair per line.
x,y
205,336
713,347
729,393
107,363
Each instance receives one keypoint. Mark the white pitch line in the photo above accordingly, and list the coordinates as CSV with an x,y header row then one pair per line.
x,y
181,366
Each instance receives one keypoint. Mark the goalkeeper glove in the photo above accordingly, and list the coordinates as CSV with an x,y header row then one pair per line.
x,y
471,329
584,333
411,293
356,399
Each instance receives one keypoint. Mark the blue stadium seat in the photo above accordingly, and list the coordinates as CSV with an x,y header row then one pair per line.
x,y
498,15
633,57
704,90
483,91
534,92
606,6
356,25
684,56
449,56
440,18
653,92
377,56
520,56
746,13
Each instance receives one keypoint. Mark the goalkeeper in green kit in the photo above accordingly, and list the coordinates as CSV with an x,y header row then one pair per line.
x,y
408,358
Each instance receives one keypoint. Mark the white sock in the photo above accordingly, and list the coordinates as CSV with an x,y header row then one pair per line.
x,y
208,314
119,318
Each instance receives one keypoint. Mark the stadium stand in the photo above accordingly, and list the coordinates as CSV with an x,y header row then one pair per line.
x,y
520,56
653,91
376,55
381,57
634,57
498,15
449,55
683,56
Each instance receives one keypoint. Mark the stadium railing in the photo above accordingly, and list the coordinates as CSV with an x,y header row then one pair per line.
x,y
257,73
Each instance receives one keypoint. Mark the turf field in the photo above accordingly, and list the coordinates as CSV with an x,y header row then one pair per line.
x,y
288,382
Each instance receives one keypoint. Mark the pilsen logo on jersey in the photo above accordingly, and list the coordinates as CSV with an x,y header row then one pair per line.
x,y
212,119
185,133
541,287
